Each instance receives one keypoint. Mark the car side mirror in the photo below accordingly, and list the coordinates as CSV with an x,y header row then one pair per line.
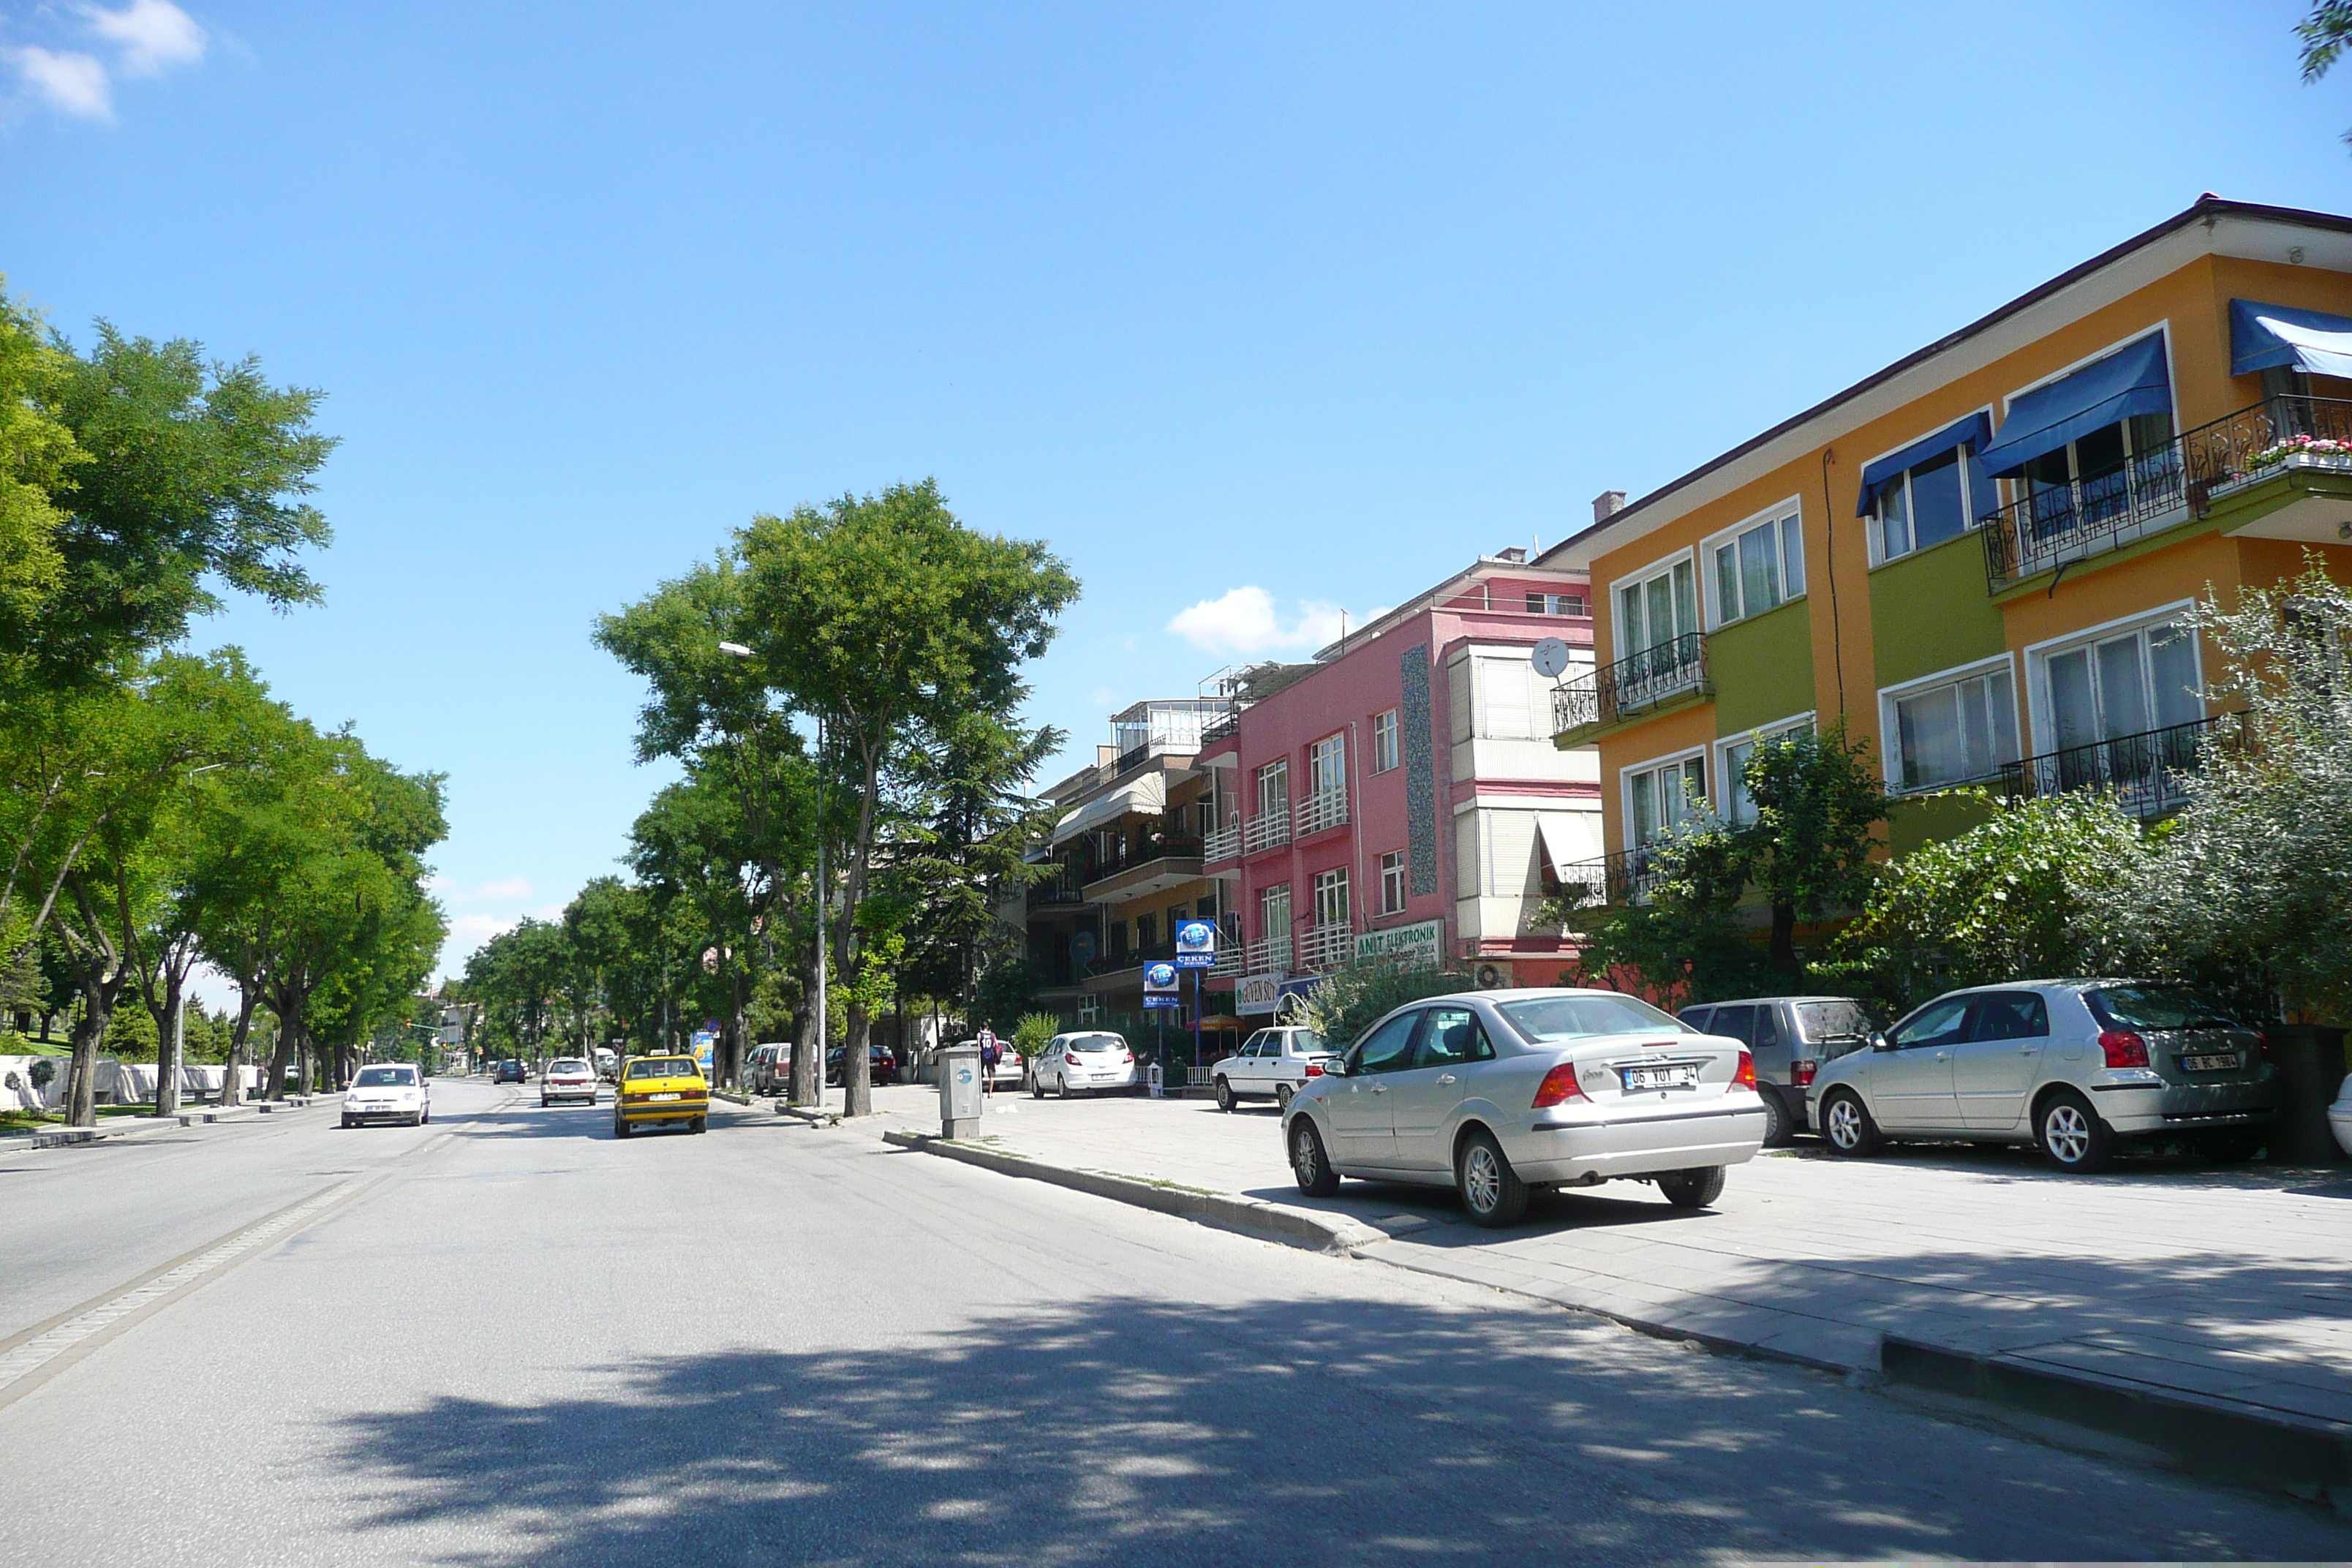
x,y
1879,1042
1336,1068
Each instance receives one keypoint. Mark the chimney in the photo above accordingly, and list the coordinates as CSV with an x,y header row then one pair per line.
x,y
1608,504
1515,554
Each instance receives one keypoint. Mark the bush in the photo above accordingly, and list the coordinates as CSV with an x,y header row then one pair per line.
x,y
1351,1000
1030,1034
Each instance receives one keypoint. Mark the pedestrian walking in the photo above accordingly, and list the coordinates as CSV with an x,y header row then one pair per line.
x,y
990,1053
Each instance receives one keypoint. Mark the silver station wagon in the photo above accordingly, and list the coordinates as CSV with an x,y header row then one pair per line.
x,y
2074,1066
1499,1093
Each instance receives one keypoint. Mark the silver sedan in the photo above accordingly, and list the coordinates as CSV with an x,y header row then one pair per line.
x,y
2076,1067
1496,1094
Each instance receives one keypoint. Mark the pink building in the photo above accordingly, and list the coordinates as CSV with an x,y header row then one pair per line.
x,y
1400,795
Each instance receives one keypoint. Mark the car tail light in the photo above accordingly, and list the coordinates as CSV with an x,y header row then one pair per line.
x,y
1745,1077
633,1099
1800,1074
1558,1087
2124,1048
2262,1041
1314,1069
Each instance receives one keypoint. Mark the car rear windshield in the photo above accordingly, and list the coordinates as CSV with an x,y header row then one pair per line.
x,y
1572,1017
2157,1007
1832,1021
567,1067
1307,1043
379,1078
665,1067
1097,1043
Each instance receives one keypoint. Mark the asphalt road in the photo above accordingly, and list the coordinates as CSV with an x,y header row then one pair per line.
x,y
515,1340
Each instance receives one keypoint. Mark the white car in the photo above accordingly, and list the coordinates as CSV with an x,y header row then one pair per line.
x,y
1500,1093
567,1078
1273,1064
1090,1061
388,1091
2339,1116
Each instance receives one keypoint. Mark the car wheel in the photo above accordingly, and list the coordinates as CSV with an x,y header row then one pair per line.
x,y
619,1128
1777,1135
1490,1189
2072,1135
1693,1189
1282,1094
542,1102
699,1124
1062,1088
1224,1096
424,1118
1036,1089
1846,1124
347,1124
1309,1164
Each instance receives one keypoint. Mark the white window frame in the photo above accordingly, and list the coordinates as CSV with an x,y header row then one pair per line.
x,y
1625,776
1334,746
1557,603
2037,656
1326,882
1663,566
1972,507
1280,765
1387,752
1266,898
1890,734
1721,762
1781,517
1392,882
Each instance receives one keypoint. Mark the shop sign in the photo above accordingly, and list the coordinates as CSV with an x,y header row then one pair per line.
x,y
1421,946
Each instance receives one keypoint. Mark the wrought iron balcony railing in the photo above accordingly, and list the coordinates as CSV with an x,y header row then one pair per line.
x,y
2105,512
1627,876
2144,771
1324,808
1630,684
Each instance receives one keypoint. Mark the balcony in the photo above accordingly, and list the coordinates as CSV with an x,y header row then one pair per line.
x,y
2169,484
1650,678
2144,772
1058,891
1108,968
1327,947
1267,830
1224,843
1628,877
1267,953
1325,809
1229,959
1164,862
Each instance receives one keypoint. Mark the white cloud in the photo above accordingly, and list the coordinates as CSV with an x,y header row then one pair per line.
x,y
498,892
152,33
467,933
75,83
1247,621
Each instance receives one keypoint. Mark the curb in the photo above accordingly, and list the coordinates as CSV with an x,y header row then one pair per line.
x,y
1268,1222
815,1118
147,1126
731,1097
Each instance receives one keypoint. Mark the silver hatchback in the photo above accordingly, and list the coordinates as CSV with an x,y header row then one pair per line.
x,y
2076,1067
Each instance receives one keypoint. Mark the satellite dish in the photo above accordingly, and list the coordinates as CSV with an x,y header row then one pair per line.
x,y
1550,658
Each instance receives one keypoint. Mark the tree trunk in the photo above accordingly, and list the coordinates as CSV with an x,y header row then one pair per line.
x,y
1784,941
89,1032
170,1043
233,1087
808,1072
856,1072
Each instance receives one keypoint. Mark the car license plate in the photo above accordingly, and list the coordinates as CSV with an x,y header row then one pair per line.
x,y
670,1096
1662,1078
2208,1064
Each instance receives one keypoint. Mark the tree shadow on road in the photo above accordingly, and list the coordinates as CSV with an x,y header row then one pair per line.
x,y
1117,1431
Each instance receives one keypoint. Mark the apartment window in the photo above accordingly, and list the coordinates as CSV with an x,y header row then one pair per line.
x,y
1274,910
1205,907
1331,899
1147,932
1757,566
1328,764
1931,503
1656,608
1384,741
1273,788
1950,731
1556,604
1736,808
1659,797
1392,882
2126,683
1118,939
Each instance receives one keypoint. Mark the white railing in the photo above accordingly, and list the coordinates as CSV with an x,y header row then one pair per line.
x,y
1267,953
1229,961
1223,844
1327,947
1324,808
1268,829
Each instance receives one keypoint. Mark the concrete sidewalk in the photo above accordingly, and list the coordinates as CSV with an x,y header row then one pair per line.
x,y
2164,1291
112,1127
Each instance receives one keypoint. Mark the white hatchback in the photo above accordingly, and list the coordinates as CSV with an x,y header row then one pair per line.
x,y
567,1078
1088,1062
388,1091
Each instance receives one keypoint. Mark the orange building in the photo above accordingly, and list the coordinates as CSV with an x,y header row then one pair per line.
x,y
1985,556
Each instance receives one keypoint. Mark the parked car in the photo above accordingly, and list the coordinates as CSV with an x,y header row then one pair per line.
x,y
509,1072
1790,1037
1272,1064
388,1091
2339,1116
608,1066
567,1078
1502,1093
1090,1061
2076,1067
661,1090
881,1065
766,1069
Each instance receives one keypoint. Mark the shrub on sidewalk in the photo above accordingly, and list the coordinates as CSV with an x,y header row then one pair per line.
x,y
1030,1034
1349,1001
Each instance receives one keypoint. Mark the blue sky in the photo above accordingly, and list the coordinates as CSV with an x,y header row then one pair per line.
x,y
1276,309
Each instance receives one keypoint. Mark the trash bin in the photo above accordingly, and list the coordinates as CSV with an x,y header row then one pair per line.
x,y
2310,1058
960,1091
1153,1080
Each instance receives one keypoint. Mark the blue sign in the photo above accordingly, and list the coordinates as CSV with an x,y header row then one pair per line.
x,y
1196,945
1159,978
1149,1001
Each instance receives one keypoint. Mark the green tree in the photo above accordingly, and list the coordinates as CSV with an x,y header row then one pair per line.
x,y
2324,33
38,453
1808,851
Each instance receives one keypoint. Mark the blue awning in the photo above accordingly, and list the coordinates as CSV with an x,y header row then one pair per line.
x,y
2130,381
1975,433
2262,336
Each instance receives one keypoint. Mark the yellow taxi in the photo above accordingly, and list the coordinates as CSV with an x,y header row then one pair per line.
x,y
654,1090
